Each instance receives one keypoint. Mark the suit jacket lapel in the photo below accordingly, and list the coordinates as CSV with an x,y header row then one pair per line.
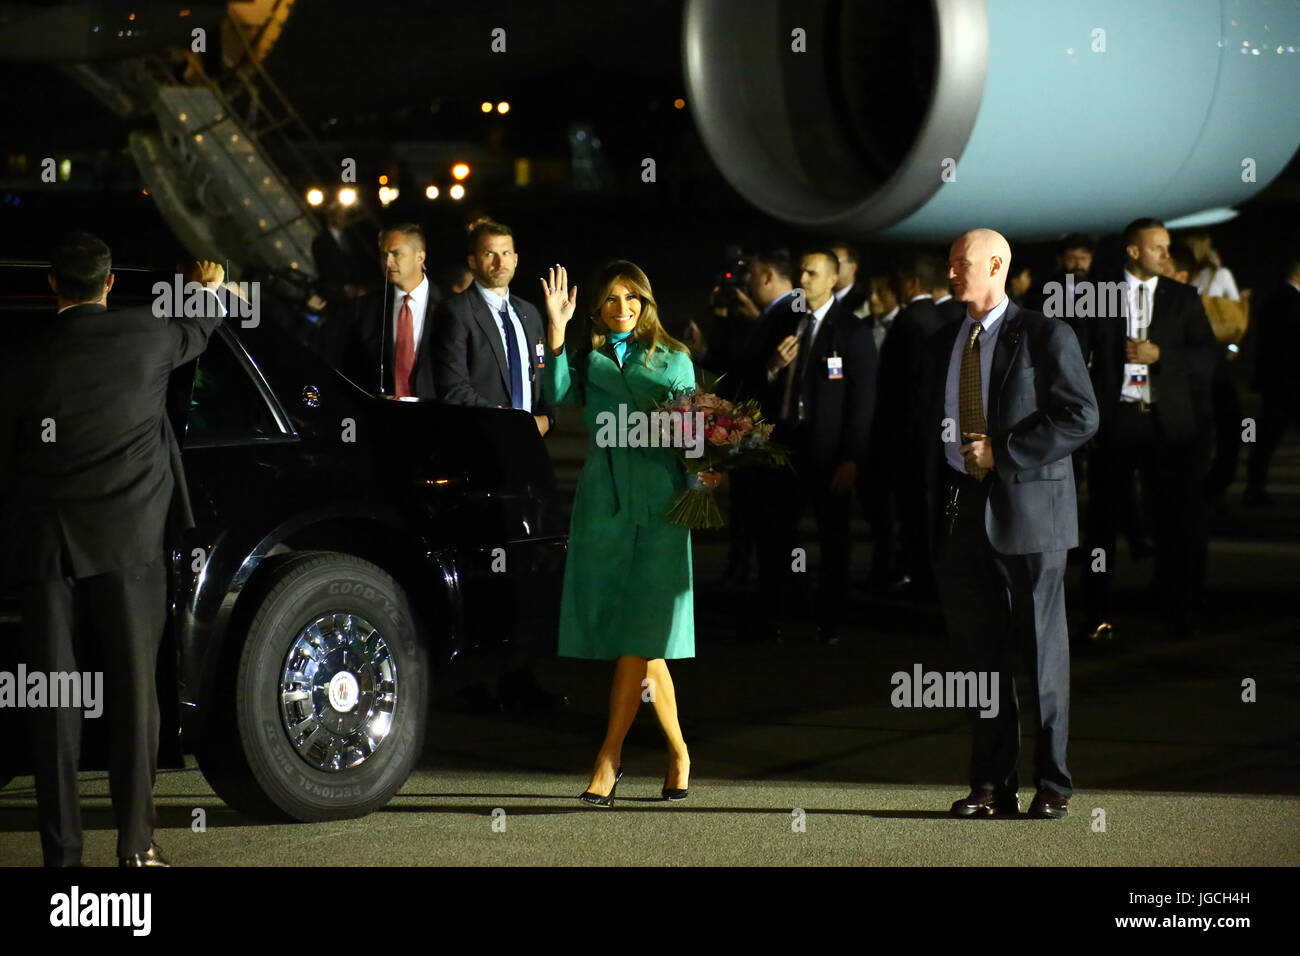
x,y
531,337
1159,303
388,342
491,327
1004,352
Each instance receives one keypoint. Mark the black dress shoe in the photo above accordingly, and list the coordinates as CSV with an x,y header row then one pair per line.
x,y
1049,805
986,803
596,800
150,857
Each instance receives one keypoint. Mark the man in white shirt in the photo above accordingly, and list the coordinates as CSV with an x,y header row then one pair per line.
x,y
489,340
821,385
1151,370
390,351
848,293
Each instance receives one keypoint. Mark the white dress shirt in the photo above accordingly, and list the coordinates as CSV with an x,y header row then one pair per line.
x,y
1138,327
419,301
496,303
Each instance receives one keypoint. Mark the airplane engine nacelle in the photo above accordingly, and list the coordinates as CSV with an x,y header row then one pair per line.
x,y
916,119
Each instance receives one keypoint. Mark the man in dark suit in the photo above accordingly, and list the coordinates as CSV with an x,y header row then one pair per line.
x,y
345,270
1008,400
1277,345
819,387
1058,297
849,293
1151,369
390,350
488,342
487,350
90,475
897,422
950,309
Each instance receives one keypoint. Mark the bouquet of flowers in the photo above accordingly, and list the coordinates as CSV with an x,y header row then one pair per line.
x,y
715,435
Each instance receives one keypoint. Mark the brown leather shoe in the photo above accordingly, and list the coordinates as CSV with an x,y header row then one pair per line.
x,y
150,857
1049,805
987,803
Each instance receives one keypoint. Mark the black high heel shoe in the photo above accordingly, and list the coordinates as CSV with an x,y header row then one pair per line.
x,y
673,794
596,800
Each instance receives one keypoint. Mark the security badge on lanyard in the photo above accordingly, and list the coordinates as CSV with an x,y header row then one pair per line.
x,y
834,366
541,354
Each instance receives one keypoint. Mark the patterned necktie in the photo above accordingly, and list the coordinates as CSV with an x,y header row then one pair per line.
x,y
513,362
970,399
405,348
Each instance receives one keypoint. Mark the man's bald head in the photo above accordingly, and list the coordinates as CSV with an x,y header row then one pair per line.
x,y
979,264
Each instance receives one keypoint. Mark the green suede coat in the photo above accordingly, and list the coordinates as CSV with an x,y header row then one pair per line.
x,y
627,579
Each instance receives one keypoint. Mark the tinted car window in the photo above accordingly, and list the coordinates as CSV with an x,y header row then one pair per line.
x,y
226,404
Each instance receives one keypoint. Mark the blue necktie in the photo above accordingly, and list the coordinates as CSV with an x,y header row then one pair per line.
x,y
513,360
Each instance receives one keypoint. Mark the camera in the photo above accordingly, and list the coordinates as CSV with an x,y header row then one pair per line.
x,y
733,276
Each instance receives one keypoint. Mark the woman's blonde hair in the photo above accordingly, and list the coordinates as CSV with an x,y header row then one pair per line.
x,y
648,332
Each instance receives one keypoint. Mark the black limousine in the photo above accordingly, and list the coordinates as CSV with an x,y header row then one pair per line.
x,y
346,547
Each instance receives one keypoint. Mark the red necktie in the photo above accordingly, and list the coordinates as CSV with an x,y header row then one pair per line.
x,y
405,350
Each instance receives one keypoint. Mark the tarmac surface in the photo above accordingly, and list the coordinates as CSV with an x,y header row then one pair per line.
x,y
1171,766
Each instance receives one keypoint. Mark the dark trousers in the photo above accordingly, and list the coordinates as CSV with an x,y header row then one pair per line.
x,y
787,495
123,612
1227,432
1006,612
876,496
1277,410
746,515
907,474
1172,483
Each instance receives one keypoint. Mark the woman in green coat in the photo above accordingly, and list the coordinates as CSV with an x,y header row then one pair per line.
x,y
627,581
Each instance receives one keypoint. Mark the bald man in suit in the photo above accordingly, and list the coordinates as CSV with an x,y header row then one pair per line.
x,y
1008,400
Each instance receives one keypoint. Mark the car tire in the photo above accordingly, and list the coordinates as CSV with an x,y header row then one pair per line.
x,y
330,695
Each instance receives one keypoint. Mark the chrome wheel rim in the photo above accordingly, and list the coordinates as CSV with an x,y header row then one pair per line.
x,y
338,692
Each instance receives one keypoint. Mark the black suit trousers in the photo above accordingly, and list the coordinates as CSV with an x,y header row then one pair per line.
x,y
787,496
1006,612
1278,409
1172,489
124,613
